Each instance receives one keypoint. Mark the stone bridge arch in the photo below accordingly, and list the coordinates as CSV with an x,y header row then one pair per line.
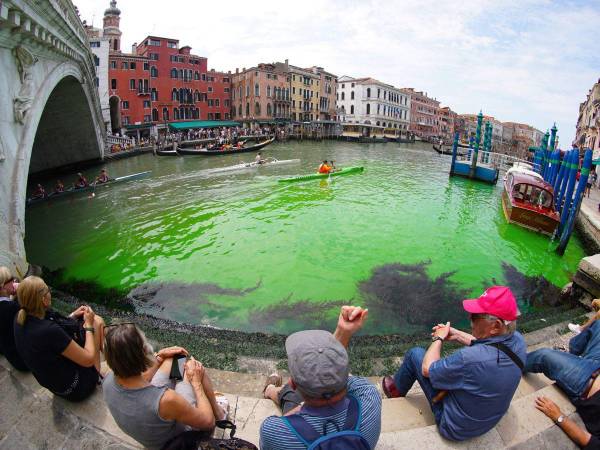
x,y
50,115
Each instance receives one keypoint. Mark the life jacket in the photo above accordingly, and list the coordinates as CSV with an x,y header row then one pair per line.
x,y
324,168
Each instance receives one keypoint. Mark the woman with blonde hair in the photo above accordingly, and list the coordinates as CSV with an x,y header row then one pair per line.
x,y
8,310
57,361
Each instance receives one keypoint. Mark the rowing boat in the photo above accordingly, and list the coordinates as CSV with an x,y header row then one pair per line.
x,y
314,176
252,165
91,186
228,151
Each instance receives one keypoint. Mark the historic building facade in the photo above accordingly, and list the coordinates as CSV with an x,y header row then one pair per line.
x,y
261,94
447,124
369,101
424,114
100,46
158,82
305,90
588,121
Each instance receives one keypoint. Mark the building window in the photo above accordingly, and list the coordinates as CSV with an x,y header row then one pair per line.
x,y
256,90
125,120
95,44
210,89
217,103
154,56
171,44
226,102
132,84
268,91
343,96
226,116
210,116
196,75
155,42
352,95
154,95
146,66
351,109
125,104
225,89
155,115
146,103
240,111
154,72
173,73
113,64
113,83
97,81
96,61
174,95
132,66
165,114
175,114
368,93
269,111
257,108
368,109
247,109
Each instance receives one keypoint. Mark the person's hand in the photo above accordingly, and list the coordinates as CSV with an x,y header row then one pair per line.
x,y
78,312
171,352
352,319
453,333
442,331
548,407
194,371
88,317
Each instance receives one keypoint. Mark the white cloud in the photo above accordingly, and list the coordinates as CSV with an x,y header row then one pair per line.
x,y
531,61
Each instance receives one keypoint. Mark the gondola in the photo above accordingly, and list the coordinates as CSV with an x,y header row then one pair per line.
x,y
229,151
440,149
89,187
161,152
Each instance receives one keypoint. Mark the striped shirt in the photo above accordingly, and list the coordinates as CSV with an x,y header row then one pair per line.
x,y
276,435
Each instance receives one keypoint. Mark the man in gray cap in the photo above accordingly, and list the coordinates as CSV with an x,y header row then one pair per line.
x,y
320,393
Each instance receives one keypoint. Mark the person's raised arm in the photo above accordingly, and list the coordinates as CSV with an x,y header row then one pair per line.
x,y
84,356
456,335
577,434
434,352
351,320
161,355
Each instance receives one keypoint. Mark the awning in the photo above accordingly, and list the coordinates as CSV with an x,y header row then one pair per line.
x,y
202,124
139,126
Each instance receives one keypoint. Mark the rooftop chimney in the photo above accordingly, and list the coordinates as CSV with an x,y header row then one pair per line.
x,y
134,48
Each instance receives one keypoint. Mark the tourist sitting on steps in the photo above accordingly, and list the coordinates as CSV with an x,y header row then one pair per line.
x,y
8,311
321,398
142,392
466,400
575,328
57,361
577,373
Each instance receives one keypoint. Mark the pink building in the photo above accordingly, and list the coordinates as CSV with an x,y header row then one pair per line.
x,y
424,114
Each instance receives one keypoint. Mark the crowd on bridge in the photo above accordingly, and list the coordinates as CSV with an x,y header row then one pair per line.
x,y
166,399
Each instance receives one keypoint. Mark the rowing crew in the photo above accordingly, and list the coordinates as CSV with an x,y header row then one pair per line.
x,y
81,183
327,167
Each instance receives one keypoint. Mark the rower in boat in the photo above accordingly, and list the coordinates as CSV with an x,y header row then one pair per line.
x,y
258,159
81,182
103,177
324,168
39,192
332,167
59,187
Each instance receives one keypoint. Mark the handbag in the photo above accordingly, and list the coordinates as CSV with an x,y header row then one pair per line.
x,y
73,327
201,440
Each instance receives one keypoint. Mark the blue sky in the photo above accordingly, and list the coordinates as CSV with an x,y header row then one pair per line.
x,y
529,61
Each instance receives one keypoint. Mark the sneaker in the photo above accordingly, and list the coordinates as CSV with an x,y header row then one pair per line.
x,y
574,328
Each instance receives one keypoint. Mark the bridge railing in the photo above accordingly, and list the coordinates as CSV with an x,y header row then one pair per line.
x,y
498,160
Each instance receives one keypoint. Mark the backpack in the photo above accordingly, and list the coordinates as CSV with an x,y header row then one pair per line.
x,y
348,438
202,440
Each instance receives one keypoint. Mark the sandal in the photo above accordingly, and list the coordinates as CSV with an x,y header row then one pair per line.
x,y
274,379
389,388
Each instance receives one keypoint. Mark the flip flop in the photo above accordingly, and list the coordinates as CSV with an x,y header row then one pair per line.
x,y
274,379
389,388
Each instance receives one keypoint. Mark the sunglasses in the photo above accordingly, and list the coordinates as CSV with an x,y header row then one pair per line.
x,y
115,325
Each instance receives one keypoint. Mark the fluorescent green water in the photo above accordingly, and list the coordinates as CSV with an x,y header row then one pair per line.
x,y
246,243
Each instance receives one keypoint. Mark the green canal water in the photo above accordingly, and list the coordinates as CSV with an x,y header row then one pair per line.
x,y
242,251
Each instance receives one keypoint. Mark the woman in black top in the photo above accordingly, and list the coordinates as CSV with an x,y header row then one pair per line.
x,y
8,311
56,360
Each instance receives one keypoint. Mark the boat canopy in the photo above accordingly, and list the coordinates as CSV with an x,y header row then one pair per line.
x,y
195,124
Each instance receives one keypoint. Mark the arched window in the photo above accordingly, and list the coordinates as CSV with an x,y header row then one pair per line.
x,y
196,96
268,91
368,109
181,96
154,95
96,61
269,111
155,115
113,83
181,115
153,72
174,95
181,73
240,111
247,109
256,90
368,94
196,75
173,73
343,96
352,95
175,114
165,114
351,109
257,109
233,112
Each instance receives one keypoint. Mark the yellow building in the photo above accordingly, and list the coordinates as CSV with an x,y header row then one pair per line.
x,y
305,88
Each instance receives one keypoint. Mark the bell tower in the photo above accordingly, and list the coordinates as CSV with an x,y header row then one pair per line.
x,y
112,17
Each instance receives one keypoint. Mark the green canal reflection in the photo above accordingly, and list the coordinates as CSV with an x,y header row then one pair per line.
x,y
241,251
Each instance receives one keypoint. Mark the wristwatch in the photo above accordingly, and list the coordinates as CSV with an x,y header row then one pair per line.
x,y
90,329
560,419
437,338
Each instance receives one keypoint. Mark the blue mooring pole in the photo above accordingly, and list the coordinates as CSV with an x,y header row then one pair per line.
x,y
476,148
560,179
546,155
454,153
555,163
537,161
585,173
562,187
568,197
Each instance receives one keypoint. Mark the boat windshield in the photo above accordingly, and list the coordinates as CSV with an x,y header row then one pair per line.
x,y
533,195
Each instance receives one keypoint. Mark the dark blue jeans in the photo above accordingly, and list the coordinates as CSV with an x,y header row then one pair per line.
x,y
411,371
572,370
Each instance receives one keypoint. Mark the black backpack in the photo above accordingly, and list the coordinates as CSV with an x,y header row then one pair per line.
x,y
348,438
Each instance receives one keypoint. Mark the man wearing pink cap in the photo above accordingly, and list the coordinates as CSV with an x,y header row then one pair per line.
x,y
470,390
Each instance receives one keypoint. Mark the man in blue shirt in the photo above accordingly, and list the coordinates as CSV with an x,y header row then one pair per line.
x,y
470,390
320,388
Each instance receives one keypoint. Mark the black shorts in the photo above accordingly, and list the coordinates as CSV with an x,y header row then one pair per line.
x,y
87,380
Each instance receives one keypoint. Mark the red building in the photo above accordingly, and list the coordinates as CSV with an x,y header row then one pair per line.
x,y
160,82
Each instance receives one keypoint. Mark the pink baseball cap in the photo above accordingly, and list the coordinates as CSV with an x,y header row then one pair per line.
x,y
498,301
